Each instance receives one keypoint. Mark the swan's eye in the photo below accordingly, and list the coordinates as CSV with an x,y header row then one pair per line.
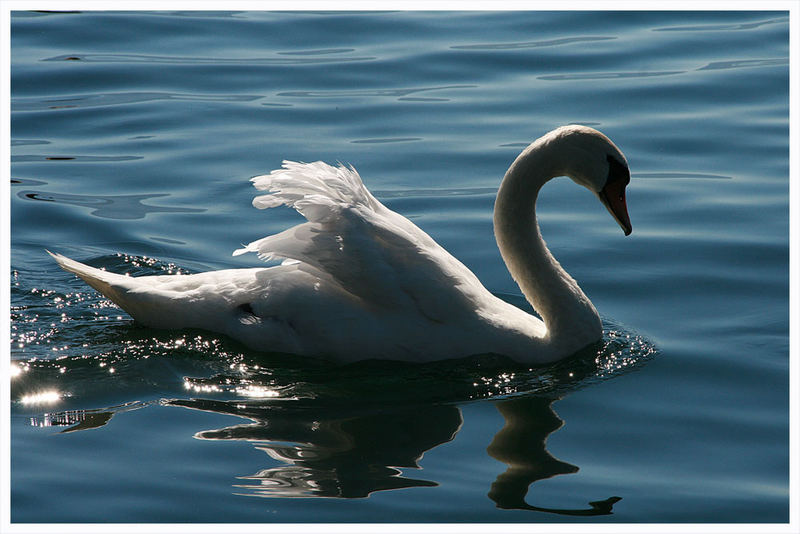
x,y
617,172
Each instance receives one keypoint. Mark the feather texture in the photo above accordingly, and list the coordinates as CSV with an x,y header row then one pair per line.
x,y
374,253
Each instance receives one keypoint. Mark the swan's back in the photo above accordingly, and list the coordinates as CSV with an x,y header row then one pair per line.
x,y
357,243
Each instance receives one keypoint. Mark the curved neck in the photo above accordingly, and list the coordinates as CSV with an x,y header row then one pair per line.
x,y
569,316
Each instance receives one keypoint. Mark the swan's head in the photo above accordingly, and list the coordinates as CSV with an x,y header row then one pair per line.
x,y
593,161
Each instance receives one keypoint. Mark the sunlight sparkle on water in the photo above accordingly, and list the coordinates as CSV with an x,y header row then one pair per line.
x,y
201,388
257,392
42,397
17,369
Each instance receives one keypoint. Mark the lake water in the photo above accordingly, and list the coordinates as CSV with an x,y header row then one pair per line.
x,y
134,136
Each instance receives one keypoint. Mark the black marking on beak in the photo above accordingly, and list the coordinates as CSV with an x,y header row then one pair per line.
x,y
613,193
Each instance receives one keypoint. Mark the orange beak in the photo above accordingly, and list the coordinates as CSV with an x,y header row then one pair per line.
x,y
613,198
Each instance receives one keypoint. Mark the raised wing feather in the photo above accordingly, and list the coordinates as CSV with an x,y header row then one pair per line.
x,y
367,249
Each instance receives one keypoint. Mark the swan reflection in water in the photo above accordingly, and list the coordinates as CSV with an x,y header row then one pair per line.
x,y
350,452
329,452
324,445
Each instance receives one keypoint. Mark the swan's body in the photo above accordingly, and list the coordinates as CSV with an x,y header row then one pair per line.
x,y
365,282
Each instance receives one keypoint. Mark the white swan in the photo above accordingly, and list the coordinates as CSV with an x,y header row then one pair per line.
x,y
362,281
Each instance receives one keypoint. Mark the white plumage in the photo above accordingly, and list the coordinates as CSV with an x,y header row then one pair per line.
x,y
362,281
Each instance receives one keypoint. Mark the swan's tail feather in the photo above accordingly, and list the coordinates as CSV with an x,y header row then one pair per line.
x,y
204,300
111,285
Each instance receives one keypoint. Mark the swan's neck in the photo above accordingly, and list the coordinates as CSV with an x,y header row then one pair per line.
x,y
571,320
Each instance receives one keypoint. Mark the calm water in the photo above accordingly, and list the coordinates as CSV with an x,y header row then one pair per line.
x,y
133,139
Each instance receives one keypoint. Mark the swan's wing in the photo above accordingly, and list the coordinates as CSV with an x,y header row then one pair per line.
x,y
371,251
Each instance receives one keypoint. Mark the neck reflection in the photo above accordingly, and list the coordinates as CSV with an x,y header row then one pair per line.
x,y
520,444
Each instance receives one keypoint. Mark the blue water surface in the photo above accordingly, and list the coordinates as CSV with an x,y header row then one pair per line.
x,y
133,139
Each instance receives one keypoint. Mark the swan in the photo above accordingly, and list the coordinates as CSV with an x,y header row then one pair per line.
x,y
359,281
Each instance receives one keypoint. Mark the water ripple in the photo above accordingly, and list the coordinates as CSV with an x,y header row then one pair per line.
x,y
746,63
116,99
422,99
76,420
680,176
317,52
371,92
27,181
386,140
610,75
109,206
25,142
27,158
722,27
532,44
189,60
433,193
